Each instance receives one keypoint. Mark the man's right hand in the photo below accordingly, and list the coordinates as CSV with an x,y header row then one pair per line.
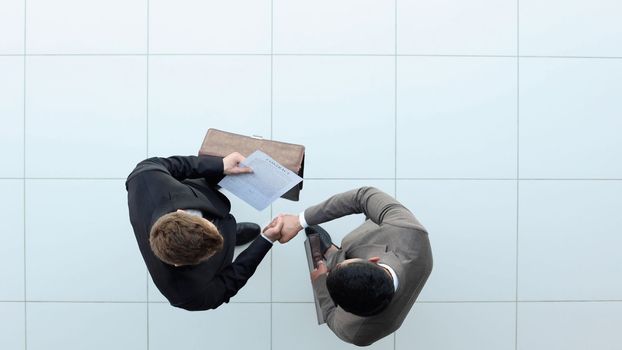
x,y
273,230
291,227
231,164
319,271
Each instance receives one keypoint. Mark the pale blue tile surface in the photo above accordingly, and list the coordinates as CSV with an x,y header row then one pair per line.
x,y
457,326
12,26
295,325
189,94
347,26
574,28
570,118
197,26
12,240
80,27
234,326
12,116
341,108
99,326
569,240
472,232
12,326
79,242
570,326
88,112
456,117
455,27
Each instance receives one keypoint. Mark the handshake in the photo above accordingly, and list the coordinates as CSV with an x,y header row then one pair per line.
x,y
283,228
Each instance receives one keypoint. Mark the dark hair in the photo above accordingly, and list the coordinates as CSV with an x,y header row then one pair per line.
x,y
361,288
182,239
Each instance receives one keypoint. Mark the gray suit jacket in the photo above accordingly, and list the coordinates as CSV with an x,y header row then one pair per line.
x,y
390,232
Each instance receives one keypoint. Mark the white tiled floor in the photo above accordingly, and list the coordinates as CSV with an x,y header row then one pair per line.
x,y
465,218
12,116
570,28
12,240
572,326
449,326
228,92
292,328
570,118
238,326
474,136
97,326
12,325
497,123
93,27
338,27
12,26
317,98
456,27
79,248
101,97
199,26
569,240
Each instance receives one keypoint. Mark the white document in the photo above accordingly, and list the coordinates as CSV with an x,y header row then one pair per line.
x,y
268,181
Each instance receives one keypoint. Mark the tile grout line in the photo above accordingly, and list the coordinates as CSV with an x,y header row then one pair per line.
x,y
316,54
395,131
271,137
517,168
335,179
395,107
346,178
147,155
24,184
311,302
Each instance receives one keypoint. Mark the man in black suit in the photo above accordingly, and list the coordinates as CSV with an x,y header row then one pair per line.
x,y
185,232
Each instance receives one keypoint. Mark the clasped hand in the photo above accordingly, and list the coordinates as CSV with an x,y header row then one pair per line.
x,y
283,228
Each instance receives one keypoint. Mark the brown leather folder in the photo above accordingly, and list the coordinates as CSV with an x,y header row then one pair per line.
x,y
221,143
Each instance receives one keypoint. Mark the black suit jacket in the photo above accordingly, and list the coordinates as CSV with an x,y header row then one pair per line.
x,y
158,186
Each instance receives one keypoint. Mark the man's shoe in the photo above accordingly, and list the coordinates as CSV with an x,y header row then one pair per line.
x,y
325,240
246,232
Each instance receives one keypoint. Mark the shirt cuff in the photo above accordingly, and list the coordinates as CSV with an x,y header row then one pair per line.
x,y
301,218
266,238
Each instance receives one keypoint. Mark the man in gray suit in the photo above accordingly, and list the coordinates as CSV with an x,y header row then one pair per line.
x,y
366,287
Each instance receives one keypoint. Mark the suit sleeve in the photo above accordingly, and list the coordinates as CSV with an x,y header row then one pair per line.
x,y
230,279
378,206
182,167
330,312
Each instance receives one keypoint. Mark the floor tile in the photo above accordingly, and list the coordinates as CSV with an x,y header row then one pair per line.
x,y
89,112
350,26
569,240
79,243
570,118
315,102
472,231
456,117
190,94
196,26
234,326
458,326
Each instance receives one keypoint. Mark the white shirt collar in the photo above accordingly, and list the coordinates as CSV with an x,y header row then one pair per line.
x,y
194,212
393,275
